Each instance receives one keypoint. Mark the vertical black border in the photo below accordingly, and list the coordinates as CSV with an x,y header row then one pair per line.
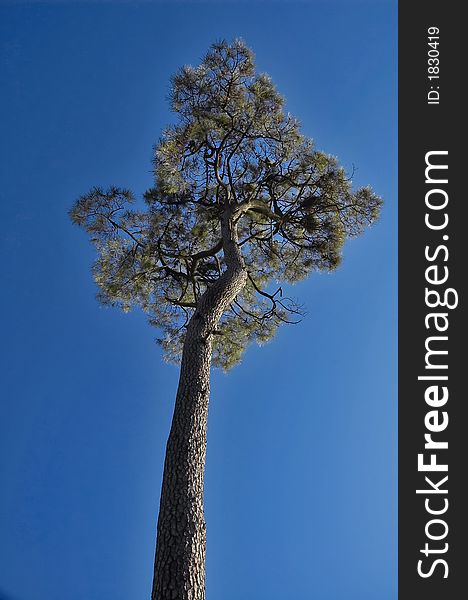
x,y
424,128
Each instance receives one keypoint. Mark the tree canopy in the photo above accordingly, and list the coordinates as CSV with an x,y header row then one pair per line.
x,y
233,145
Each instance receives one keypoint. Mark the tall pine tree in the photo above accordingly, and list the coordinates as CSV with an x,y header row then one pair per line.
x,y
241,202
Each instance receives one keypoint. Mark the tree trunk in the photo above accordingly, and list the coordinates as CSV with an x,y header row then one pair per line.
x,y
179,568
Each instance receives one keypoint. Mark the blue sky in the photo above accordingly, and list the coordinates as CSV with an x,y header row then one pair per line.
x,y
301,482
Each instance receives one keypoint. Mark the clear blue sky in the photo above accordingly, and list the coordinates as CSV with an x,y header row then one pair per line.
x,y
301,484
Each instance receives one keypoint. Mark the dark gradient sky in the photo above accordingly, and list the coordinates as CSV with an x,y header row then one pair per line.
x,y
301,485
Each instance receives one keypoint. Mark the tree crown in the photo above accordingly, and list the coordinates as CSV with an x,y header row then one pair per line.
x,y
234,147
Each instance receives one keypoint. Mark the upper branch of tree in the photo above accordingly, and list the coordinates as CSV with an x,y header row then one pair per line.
x,y
233,150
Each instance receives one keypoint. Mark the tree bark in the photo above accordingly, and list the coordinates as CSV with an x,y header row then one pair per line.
x,y
179,568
